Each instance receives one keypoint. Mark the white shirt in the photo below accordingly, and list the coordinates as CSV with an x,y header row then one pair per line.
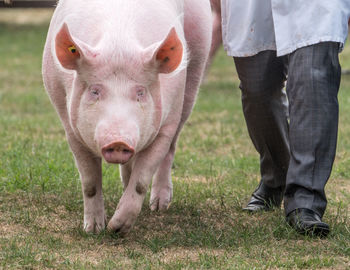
x,y
251,26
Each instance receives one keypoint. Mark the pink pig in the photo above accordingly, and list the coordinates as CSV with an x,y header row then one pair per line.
x,y
123,77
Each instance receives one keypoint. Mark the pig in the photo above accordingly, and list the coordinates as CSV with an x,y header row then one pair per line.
x,y
123,77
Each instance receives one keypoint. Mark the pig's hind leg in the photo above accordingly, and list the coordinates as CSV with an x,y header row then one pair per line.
x,y
162,186
125,172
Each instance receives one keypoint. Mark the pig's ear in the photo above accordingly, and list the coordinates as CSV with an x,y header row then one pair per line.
x,y
67,51
168,55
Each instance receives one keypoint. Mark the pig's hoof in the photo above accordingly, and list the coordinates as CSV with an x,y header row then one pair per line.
x,y
121,224
160,199
94,224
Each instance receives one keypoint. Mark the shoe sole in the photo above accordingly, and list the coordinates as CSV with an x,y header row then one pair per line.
x,y
317,230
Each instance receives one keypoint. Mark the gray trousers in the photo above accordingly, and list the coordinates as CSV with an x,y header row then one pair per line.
x,y
296,151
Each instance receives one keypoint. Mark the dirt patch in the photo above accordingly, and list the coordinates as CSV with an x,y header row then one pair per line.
x,y
39,212
11,230
96,255
176,254
55,220
195,178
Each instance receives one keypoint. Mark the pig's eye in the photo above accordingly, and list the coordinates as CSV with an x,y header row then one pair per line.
x,y
95,92
140,93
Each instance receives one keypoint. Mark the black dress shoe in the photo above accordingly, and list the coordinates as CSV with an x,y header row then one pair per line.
x,y
257,204
264,199
306,221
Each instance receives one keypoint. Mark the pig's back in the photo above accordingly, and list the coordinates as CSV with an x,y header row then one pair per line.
x,y
147,21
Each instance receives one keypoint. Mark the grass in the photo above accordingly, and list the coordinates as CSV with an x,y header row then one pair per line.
x,y
215,170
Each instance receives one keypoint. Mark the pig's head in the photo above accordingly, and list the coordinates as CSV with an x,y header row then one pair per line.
x,y
114,106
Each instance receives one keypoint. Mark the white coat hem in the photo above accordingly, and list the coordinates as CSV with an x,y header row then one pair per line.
x,y
241,53
299,45
285,51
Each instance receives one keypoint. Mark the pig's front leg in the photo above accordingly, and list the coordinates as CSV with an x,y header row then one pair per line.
x,y
90,172
144,167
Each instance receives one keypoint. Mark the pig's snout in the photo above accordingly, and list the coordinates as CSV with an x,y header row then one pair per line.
x,y
117,152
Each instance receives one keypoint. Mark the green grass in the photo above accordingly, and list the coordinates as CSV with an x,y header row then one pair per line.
x,y
215,171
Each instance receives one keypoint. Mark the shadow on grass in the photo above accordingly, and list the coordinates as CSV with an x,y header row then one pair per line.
x,y
210,227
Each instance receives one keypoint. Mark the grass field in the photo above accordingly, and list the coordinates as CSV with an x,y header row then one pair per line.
x,y
215,171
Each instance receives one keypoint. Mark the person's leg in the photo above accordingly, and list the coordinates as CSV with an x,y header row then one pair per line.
x,y
312,88
265,110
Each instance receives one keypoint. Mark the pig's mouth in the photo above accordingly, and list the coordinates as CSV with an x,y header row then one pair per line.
x,y
117,152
